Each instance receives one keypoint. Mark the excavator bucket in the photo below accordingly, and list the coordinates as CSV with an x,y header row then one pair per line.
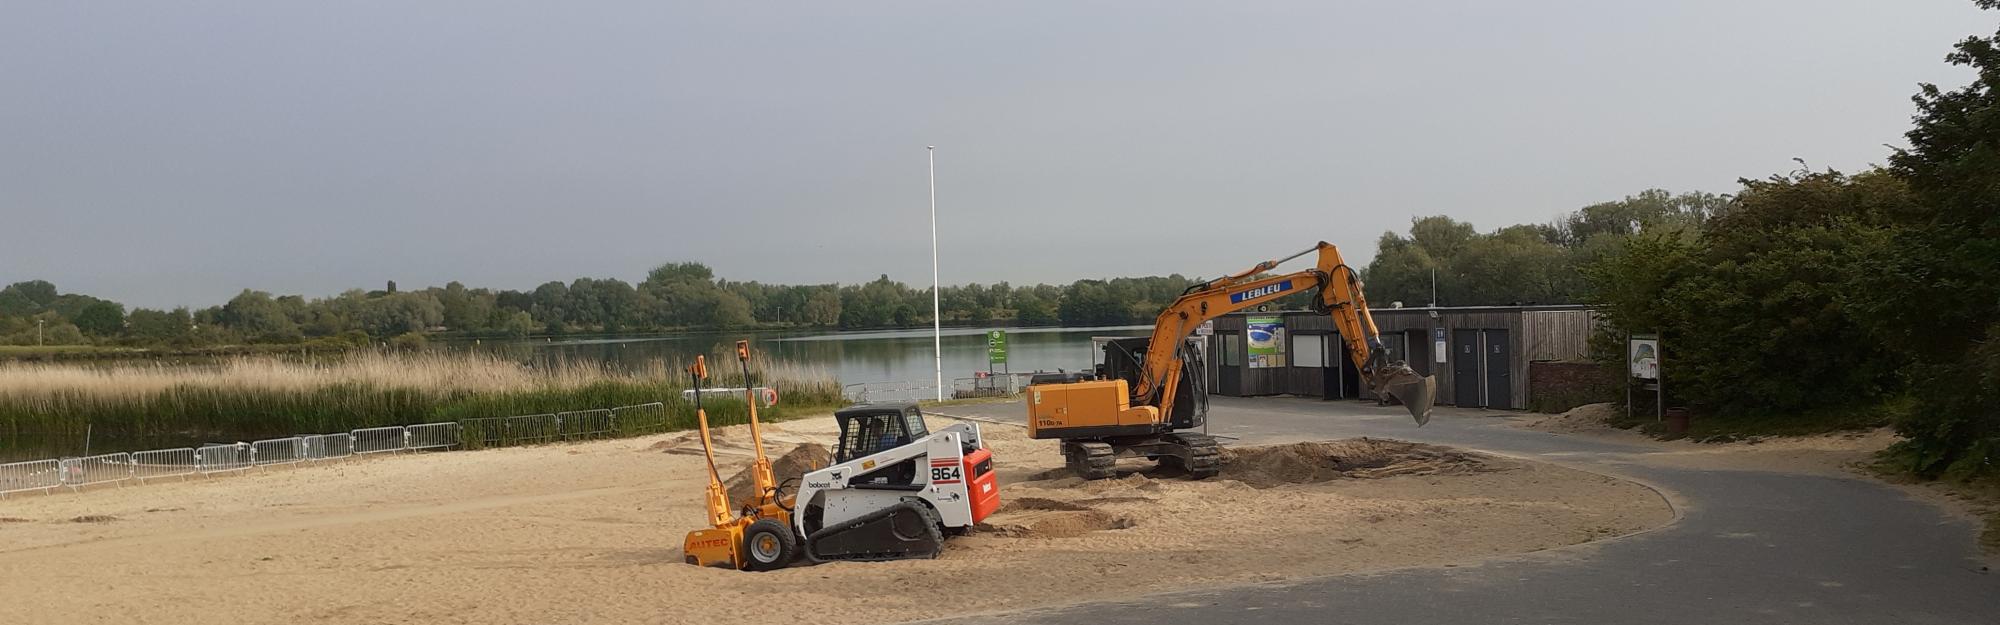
x,y
1417,392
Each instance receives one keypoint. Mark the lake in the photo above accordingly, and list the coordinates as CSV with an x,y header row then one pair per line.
x,y
880,359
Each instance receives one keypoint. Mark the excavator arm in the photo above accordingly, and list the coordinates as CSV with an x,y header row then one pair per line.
x,y
1337,292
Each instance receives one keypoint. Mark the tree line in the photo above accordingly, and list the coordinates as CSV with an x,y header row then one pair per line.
x,y
1810,297
674,296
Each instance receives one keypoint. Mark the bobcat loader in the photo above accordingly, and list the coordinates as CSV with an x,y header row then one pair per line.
x,y
893,491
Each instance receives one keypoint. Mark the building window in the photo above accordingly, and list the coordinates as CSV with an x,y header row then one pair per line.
x,y
1232,349
1308,350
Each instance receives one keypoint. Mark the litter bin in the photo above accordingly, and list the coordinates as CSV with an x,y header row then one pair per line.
x,y
1677,420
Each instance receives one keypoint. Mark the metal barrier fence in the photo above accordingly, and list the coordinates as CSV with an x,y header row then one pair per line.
x,y
584,424
74,473
378,440
641,418
219,457
147,465
535,428
483,432
433,435
866,392
278,451
98,469
42,475
329,446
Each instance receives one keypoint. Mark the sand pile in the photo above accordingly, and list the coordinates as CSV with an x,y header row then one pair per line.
x,y
803,458
729,441
1584,418
1038,517
1360,458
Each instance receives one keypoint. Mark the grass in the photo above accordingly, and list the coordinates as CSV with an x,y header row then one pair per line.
x,y
47,409
49,351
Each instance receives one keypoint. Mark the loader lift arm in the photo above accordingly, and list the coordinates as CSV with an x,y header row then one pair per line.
x,y
1338,293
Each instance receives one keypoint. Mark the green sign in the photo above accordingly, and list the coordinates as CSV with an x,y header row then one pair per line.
x,y
996,346
1267,342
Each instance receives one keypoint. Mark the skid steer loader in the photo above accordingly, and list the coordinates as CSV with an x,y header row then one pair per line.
x,y
894,489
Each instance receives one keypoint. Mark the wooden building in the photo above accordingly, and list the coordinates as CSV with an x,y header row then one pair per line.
x,y
1480,354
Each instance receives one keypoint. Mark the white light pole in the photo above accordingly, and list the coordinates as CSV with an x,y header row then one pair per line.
x,y
38,331
937,323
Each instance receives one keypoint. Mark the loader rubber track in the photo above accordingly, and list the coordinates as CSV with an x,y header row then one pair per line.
x,y
905,531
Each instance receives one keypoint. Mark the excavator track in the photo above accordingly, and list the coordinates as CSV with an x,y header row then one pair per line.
x,y
1203,457
905,531
1091,460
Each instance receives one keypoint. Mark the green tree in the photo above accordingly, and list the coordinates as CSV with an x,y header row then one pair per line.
x,y
101,319
517,324
1032,310
822,308
157,327
258,317
1752,306
1934,286
26,298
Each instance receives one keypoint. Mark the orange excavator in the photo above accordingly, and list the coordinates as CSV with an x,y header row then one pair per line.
x,y
1145,399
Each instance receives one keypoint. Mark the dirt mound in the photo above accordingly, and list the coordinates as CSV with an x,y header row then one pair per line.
x,y
1266,466
1031,517
1582,418
1039,503
94,518
689,442
801,459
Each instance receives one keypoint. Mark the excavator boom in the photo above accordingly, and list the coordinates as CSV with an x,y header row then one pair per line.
x,y
1338,293
1132,413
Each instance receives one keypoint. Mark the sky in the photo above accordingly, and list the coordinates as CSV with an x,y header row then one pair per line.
x,y
175,153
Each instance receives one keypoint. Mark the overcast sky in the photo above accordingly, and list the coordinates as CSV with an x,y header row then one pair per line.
x,y
173,153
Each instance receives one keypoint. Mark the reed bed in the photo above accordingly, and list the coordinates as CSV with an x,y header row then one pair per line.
x,y
44,406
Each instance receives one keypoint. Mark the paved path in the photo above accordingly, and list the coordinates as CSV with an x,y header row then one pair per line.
x,y
1751,547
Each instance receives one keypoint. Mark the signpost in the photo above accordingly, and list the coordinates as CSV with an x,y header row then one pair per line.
x,y
1438,349
1642,362
996,349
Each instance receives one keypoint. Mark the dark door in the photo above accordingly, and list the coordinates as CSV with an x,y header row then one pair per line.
x,y
1329,365
1499,372
1229,375
1465,369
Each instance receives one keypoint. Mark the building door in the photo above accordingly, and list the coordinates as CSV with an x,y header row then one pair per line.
x,y
1229,376
1343,381
1499,370
1397,344
1465,362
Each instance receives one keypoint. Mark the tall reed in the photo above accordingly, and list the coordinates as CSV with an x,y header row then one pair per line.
x,y
53,405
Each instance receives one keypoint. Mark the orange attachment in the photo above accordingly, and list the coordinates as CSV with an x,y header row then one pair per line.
x,y
981,483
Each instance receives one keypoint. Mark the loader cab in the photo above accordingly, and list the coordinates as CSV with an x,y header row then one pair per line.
x,y
870,429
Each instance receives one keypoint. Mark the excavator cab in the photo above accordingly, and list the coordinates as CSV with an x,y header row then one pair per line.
x,y
1124,358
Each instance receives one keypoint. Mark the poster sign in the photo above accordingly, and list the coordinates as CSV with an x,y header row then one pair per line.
x,y
1438,349
996,346
1206,328
1642,352
1267,342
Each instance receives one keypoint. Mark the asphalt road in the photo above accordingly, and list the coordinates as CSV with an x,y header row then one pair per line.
x,y
1749,547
